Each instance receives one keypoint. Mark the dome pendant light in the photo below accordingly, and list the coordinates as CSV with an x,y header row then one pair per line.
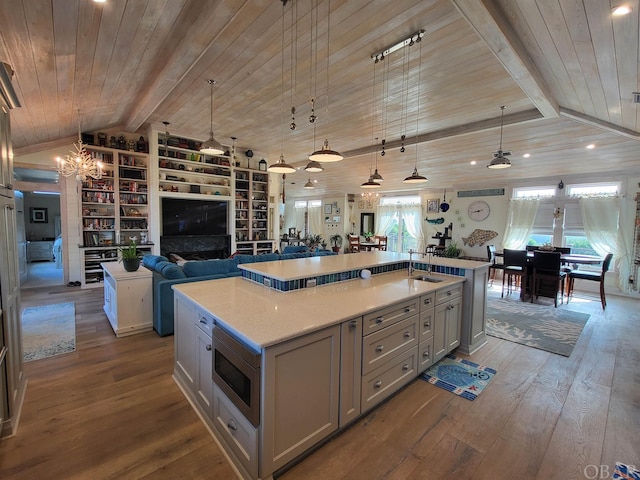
x,y
281,166
325,154
499,158
370,183
314,167
212,146
415,177
309,185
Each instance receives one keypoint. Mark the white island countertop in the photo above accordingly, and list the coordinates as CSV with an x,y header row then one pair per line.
x,y
314,266
262,317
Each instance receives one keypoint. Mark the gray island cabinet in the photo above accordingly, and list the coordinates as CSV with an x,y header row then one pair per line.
x,y
328,355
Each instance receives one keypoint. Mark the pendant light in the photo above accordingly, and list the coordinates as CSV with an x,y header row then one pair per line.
x,y
281,166
499,158
314,167
370,183
309,185
415,177
212,146
326,154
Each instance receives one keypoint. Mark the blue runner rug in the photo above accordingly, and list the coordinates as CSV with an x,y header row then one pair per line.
x,y
460,376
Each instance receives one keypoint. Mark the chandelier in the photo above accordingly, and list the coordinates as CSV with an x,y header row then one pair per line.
x,y
79,163
370,196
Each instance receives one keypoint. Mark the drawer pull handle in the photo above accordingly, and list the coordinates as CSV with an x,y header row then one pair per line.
x,y
353,324
450,307
425,354
427,324
379,348
407,309
427,301
449,292
378,384
405,367
208,347
231,424
379,319
407,334
203,320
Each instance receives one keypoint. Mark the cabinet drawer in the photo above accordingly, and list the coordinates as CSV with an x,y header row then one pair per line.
x,y
425,354
236,431
372,322
427,302
384,381
384,344
425,324
448,293
204,321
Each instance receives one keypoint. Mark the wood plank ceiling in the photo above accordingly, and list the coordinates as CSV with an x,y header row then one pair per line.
x,y
565,70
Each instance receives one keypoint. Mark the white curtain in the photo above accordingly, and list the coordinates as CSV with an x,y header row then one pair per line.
x,y
384,218
522,213
601,221
315,220
412,216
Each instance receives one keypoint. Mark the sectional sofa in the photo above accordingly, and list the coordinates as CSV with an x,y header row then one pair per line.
x,y
166,274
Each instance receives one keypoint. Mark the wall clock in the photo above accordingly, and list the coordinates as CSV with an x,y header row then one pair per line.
x,y
478,210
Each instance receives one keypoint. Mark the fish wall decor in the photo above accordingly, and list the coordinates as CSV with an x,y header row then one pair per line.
x,y
435,221
479,236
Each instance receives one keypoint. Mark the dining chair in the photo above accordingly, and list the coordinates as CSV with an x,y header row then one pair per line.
x,y
491,255
515,266
381,240
595,276
354,243
548,278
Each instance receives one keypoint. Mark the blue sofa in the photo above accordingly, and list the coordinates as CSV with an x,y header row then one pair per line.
x,y
166,274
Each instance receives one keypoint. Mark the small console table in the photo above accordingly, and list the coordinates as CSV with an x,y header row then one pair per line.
x,y
128,299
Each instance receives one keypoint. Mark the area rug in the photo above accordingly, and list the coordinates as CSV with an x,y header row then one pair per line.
x,y
48,330
554,330
460,376
625,472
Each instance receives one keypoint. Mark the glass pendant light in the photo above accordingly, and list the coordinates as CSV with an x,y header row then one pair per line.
x,y
212,146
499,158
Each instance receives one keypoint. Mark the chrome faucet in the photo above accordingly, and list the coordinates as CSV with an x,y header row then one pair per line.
x,y
428,254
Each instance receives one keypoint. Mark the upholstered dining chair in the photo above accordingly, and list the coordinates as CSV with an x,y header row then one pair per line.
x,y
594,276
354,243
491,255
515,267
548,278
381,240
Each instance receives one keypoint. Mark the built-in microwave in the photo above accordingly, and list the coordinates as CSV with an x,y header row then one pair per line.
x,y
236,371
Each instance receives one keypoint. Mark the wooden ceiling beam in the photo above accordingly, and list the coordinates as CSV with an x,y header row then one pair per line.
x,y
492,27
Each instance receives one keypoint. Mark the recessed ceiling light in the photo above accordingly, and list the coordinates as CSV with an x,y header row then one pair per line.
x,y
99,1
473,162
591,146
620,10
526,155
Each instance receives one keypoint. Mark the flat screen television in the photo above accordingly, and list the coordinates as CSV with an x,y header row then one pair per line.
x,y
193,217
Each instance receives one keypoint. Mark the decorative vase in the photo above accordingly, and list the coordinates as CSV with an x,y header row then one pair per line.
x,y
131,264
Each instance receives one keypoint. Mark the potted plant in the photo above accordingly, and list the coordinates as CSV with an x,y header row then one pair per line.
x,y
367,236
313,241
336,240
452,250
130,257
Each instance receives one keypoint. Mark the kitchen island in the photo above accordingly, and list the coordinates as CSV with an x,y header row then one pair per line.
x,y
324,355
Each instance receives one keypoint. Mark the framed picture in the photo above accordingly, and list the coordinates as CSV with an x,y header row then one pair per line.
x,y
433,206
328,209
39,215
336,219
292,233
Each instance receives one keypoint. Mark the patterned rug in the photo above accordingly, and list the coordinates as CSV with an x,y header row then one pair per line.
x,y
48,330
625,472
460,376
554,330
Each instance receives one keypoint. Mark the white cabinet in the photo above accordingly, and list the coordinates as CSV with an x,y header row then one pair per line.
x,y
128,299
204,363
301,395
425,324
350,370
447,321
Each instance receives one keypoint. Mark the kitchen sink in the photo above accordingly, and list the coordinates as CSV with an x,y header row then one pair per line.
x,y
425,278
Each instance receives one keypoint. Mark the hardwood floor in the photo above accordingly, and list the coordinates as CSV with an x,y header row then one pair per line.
x,y
111,410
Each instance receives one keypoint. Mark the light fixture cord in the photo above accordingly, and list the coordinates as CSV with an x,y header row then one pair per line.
x,y
374,116
418,100
211,82
327,72
282,87
405,94
294,54
501,125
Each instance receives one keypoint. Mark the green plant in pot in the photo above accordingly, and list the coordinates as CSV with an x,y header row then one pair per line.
x,y
336,240
130,257
452,250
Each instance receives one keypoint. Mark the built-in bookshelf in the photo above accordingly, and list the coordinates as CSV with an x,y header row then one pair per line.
x,y
252,211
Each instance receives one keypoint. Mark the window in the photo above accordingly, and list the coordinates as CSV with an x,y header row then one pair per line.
x,y
593,189
534,192
400,219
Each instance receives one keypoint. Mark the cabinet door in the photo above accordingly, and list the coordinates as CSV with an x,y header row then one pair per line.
x,y
204,381
439,331
350,367
184,339
454,316
301,385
